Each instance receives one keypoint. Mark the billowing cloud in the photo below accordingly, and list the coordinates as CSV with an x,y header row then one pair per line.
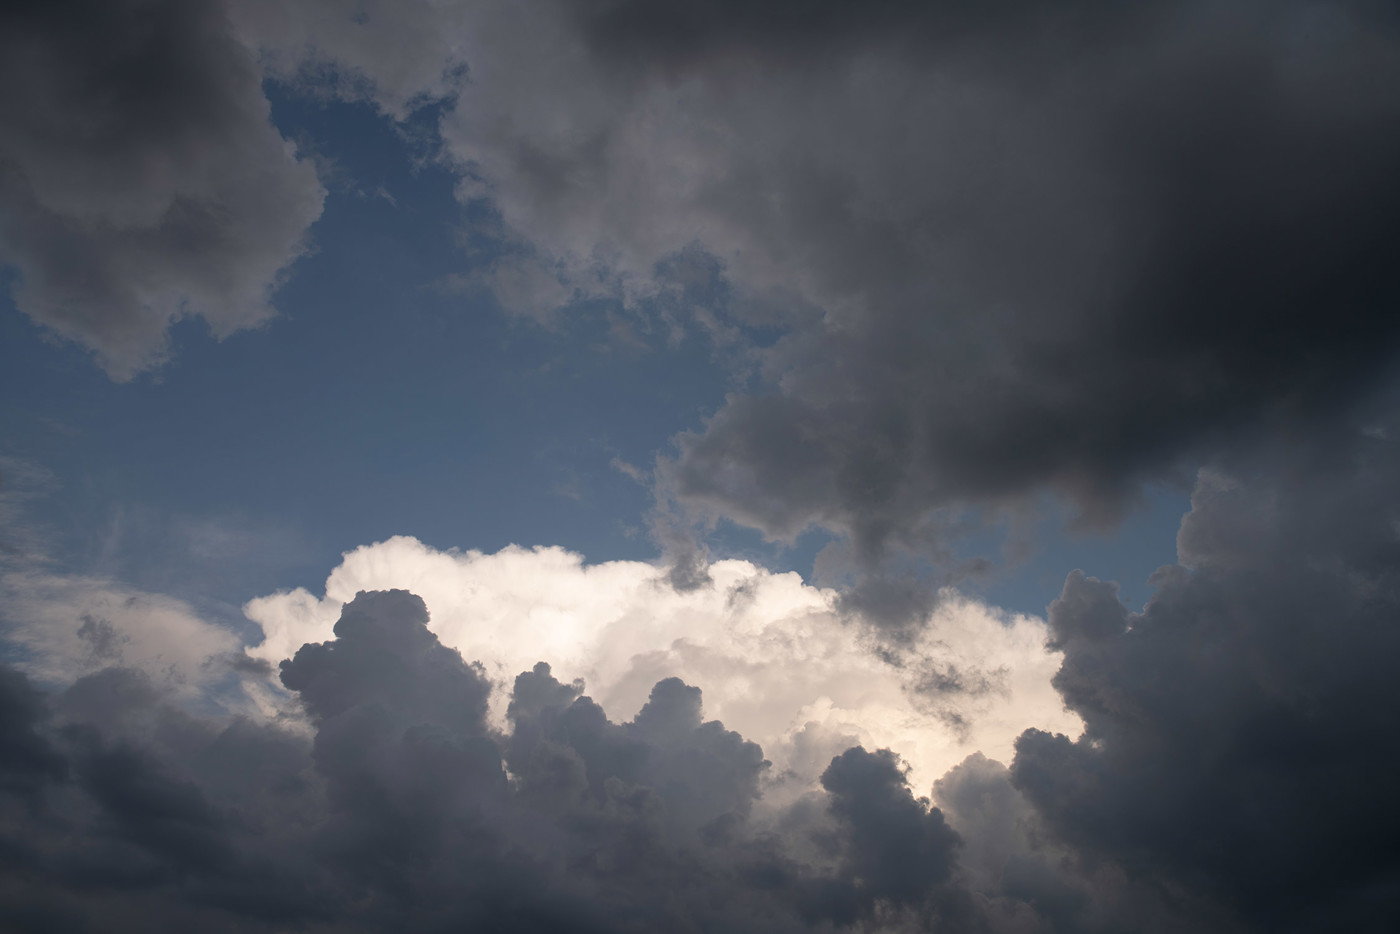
x,y
407,810
1002,251
141,180
775,657
1045,247
1238,738
962,256
1234,773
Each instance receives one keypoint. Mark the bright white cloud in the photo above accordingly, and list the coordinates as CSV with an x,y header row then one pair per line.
x,y
770,653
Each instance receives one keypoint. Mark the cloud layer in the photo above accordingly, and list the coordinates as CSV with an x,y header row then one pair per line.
x,y
401,812
1234,773
1007,251
957,258
1003,251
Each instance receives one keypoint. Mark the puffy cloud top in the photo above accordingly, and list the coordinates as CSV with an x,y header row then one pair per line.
x,y
776,658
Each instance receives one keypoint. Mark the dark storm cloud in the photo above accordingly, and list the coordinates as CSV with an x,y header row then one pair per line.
x,y
1006,248
29,760
1236,773
1239,735
123,813
897,850
1237,768
1143,234
151,818
140,178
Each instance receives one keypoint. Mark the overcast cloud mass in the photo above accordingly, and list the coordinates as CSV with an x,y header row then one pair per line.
x,y
644,465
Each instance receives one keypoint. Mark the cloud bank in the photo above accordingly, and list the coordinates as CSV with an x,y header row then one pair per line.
x,y
1234,773
1006,250
401,811
957,258
1002,251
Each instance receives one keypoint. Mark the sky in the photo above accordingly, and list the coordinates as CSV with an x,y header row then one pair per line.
x,y
634,465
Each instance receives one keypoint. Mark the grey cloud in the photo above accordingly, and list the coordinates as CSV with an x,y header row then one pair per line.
x,y
1238,737
406,810
103,639
1023,247
705,777
898,849
153,818
140,178
1028,248
396,54
1030,880
891,601
1226,782
411,773
1005,249
29,758
1177,228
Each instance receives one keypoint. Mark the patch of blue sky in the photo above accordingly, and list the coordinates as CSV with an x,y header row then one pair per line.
x,y
1127,553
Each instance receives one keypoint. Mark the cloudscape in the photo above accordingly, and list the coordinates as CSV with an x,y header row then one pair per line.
x,y
662,465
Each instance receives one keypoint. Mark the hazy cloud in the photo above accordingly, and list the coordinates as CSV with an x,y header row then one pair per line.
x,y
68,625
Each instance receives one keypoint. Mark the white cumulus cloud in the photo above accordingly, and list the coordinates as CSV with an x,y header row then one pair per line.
x,y
772,655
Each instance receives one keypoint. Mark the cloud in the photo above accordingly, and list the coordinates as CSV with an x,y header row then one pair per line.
x,y
69,625
898,849
1233,774
138,815
1062,254
156,617
773,655
957,258
1238,742
397,55
1003,252
407,809
141,180
59,628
